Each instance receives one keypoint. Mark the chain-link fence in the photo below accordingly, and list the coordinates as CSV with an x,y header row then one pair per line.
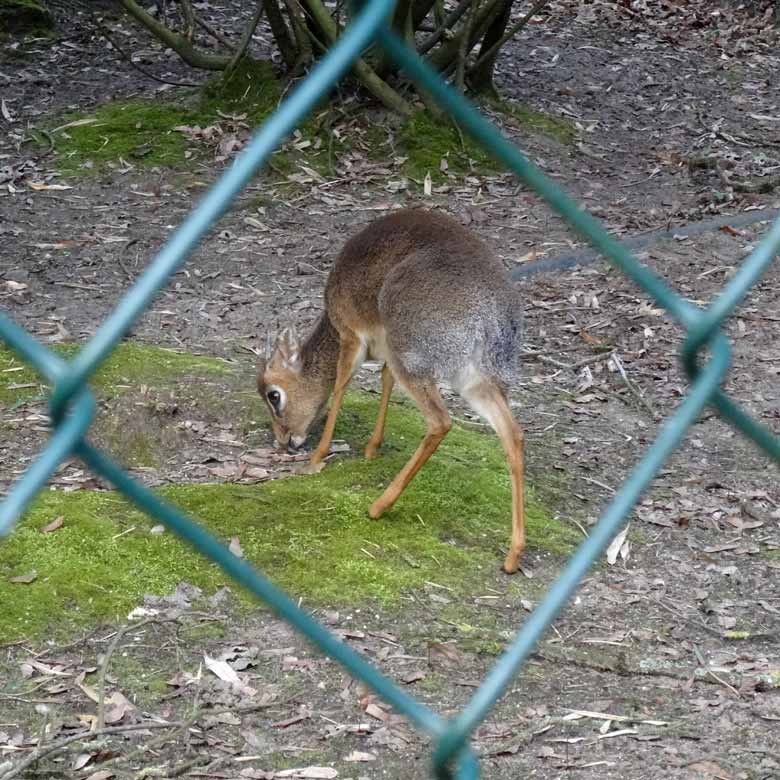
x,y
706,356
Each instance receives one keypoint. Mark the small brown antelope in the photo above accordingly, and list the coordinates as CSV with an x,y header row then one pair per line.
x,y
418,292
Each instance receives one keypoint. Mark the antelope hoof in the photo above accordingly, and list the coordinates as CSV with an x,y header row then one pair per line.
x,y
512,563
371,451
377,509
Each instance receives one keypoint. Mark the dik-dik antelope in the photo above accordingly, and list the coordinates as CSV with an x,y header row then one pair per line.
x,y
423,295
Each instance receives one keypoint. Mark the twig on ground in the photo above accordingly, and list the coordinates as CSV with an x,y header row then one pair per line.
x,y
194,713
707,670
215,34
633,389
106,660
128,58
689,621
448,22
61,744
568,366
596,482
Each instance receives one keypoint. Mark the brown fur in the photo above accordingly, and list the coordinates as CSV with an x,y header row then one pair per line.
x,y
423,295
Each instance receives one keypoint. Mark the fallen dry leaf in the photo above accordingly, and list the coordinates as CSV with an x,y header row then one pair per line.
x,y
39,185
118,707
222,669
101,774
618,546
81,760
357,755
53,525
375,711
283,724
444,654
24,579
707,770
90,692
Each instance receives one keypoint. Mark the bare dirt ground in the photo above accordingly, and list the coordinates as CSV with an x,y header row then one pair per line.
x,y
667,664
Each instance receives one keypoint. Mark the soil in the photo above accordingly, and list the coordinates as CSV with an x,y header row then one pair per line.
x,y
666,664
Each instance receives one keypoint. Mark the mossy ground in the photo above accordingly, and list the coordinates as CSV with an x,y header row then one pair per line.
x,y
142,132
311,535
140,388
562,130
129,365
136,132
251,88
428,141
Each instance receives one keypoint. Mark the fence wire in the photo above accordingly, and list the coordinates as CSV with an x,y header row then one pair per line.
x,y
706,356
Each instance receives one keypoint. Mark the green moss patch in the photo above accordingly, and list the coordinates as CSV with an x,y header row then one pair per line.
x,y
142,133
427,141
555,127
251,88
139,132
129,364
311,535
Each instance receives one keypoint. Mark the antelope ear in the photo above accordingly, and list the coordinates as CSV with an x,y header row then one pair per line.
x,y
288,349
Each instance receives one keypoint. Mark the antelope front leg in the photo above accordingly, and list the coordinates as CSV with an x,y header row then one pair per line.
x,y
350,355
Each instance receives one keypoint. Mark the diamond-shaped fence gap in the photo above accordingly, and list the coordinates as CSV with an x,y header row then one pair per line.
x,y
72,404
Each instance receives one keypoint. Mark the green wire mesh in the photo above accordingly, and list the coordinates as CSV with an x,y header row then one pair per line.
x,y
72,404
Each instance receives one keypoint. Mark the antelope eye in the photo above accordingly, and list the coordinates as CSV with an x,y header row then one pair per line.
x,y
273,397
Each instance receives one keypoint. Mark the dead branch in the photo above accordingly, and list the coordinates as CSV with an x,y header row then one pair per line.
x,y
85,736
104,31
448,22
445,57
633,389
304,37
215,34
101,709
191,55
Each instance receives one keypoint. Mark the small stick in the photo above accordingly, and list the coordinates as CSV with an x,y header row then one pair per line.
x,y
568,366
54,747
712,674
632,387
596,482
101,712
215,34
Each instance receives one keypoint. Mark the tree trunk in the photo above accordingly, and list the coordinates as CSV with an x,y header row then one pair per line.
x,y
282,36
481,78
365,74
445,57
